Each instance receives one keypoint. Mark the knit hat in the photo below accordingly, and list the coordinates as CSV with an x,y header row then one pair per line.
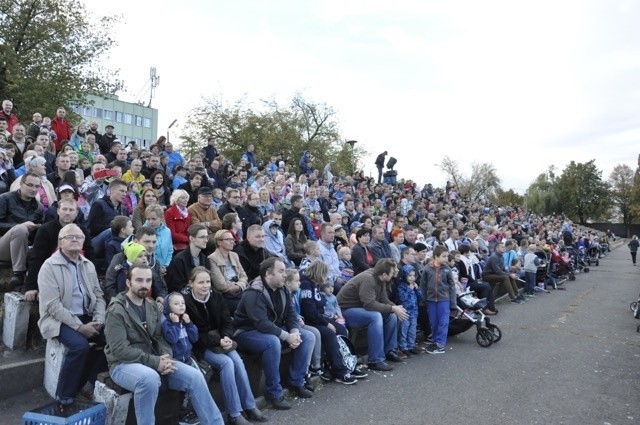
x,y
406,270
132,251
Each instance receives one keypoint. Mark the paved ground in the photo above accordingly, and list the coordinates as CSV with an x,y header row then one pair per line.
x,y
569,357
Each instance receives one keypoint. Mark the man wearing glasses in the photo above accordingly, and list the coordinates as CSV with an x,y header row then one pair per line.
x,y
20,216
186,260
72,309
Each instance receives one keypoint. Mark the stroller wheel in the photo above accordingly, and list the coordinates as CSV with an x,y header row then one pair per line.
x,y
572,277
586,270
497,333
633,306
588,262
597,262
484,337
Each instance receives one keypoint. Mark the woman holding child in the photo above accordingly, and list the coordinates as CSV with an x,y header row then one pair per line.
x,y
208,311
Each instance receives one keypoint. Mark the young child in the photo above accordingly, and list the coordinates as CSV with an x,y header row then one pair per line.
x,y
312,251
409,296
85,152
121,233
116,277
332,310
178,329
164,247
131,199
531,263
217,201
292,282
439,290
346,268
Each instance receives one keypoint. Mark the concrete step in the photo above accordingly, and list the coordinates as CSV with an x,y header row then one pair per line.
x,y
20,371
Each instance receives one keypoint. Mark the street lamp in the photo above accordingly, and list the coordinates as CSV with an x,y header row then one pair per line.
x,y
353,158
169,128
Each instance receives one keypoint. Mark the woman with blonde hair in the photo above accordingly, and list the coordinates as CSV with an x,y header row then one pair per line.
x,y
178,219
227,275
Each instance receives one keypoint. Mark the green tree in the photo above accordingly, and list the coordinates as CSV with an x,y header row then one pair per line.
x,y
541,195
582,193
289,130
621,181
506,197
482,183
49,54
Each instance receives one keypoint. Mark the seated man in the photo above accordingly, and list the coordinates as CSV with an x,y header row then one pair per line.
x,y
251,251
46,243
365,303
72,309
139,357
20,216
103,211
183,262
495,274
264,319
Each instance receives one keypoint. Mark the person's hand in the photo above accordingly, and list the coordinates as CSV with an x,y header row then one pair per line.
x,y
294,340
226,343
160,304
400,312
513,276
30,225
186,318
88,330
233,288
174,317
97,325
331,327
31,295
165,366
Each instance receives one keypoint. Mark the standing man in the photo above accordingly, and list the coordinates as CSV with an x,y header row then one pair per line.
x,y
72,310
20,216
93,129
210,151
107,139
61,126
380,165
264,320
139,357
34,128
12,119
365,303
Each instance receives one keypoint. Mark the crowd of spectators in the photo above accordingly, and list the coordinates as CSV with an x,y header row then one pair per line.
x,y
267,255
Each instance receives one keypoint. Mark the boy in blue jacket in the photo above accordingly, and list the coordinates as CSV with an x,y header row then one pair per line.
x,y
178,329
410,297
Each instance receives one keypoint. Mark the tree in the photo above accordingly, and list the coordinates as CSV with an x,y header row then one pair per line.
x,y
289,130
508,197
541,195
482,183
49,52
581,192
621,181
452,170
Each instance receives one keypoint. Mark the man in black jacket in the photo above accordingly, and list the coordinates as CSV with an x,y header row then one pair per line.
x,y
265,319
380,165
179,270
250,214
234,200
251,251
103,211
494,273
46,242
20,216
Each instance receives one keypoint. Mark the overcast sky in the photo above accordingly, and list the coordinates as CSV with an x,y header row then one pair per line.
x,y
522,85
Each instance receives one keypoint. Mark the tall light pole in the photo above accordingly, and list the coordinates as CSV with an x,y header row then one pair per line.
x,y
353,158
169,128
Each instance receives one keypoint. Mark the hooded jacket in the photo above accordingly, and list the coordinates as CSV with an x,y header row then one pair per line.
x,y
311,302
256,311
437,284
180,335
274,243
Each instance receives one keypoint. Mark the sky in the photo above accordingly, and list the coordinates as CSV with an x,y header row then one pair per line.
x,y
520,85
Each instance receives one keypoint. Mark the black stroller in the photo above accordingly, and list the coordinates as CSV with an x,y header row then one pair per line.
x,y
470,314
593,256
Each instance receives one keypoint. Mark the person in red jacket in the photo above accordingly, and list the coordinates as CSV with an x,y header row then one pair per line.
x,y
61,126
178,219
12,119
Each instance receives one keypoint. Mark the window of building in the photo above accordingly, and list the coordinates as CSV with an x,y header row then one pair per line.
x,y
118,116
108,114
76,108
97,112
147,123
138,121
87,111
128,118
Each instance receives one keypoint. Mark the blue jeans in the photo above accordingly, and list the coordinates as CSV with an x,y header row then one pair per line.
x,y
99,242
529,281
382,330
407,333
145,382
269,347
438,312
234,380
81,364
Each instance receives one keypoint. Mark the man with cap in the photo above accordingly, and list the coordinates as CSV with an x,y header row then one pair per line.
x,y
107,139
203,212
45,242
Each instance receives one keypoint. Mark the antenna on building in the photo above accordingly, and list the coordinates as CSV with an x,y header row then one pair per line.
x,y
155,81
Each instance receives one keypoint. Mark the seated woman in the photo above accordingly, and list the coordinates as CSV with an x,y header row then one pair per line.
x,y
467,270
312,308
227,274
208,311
361,258
295,240
147,198
178,219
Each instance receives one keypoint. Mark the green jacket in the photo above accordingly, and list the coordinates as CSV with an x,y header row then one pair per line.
x,y
127,339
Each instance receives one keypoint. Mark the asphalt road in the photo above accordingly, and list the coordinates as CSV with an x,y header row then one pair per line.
x,y
568,357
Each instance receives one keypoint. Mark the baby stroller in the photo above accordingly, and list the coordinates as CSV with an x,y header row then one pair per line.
x,y
469,314
635,309
593,256
578,259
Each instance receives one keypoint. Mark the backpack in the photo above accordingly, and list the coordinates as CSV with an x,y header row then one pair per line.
x,y
347,353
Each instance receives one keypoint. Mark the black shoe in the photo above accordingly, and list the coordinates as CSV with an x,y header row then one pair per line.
x,y
381,366
256,415
392,356
17,280
347,380
359,374
240,420
279,403
301,392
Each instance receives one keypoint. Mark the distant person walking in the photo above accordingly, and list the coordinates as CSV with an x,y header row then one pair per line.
x,y
380,165
633,247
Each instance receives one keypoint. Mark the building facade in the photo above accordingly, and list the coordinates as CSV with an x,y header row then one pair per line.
x,y
131,121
